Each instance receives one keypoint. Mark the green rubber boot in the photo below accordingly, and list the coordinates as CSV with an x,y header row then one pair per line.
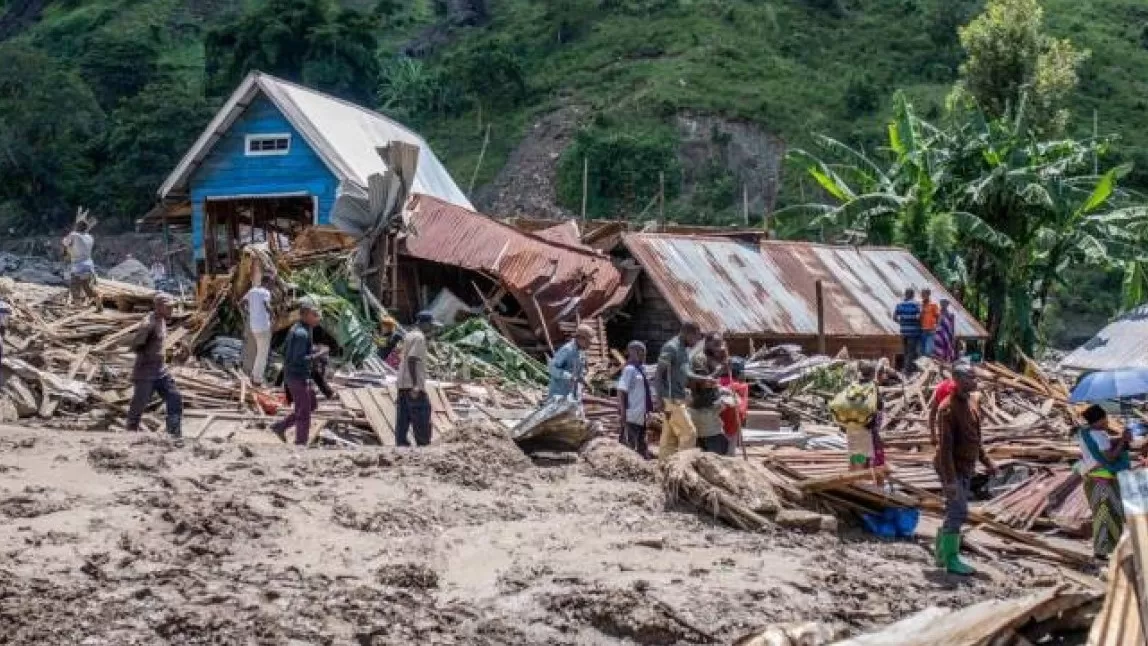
x,y
938,550
951,543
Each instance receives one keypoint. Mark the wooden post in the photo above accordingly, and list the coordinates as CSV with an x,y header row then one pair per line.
x,y
745,203
478,164
820,318
166,243
661,199
585,184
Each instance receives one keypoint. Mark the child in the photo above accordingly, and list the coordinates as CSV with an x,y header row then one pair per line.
x,y
634,400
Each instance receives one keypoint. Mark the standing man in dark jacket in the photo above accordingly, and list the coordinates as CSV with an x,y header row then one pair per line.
x,y
907,314
958,450
299,353
414,405
149,374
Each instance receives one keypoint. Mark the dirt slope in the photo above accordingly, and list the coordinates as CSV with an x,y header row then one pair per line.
x,y
117,539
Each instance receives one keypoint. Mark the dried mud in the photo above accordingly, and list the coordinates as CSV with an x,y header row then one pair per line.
x,y
118,539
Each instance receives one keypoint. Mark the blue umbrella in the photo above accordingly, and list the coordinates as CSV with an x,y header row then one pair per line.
x,y
1111,384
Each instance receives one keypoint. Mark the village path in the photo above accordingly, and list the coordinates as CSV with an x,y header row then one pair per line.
x,y
116,538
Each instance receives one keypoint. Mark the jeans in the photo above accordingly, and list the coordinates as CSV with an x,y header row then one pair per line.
x,y
413,411
262,350
634,436
714,444
910,345
928,337
304,403
142,393
957,503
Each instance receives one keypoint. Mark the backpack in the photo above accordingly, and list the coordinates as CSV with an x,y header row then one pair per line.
x,y
855,406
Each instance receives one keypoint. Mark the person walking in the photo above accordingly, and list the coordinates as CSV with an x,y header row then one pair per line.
x,y
635,401
671,379
149,373
414,406
858,410
706,366
568,365
1102,460
299,355
5,314
907,314
958,450
946,346
82,284
256,305
930,317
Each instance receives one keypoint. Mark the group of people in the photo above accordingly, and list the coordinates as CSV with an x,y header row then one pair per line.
x,y
696,391
927,329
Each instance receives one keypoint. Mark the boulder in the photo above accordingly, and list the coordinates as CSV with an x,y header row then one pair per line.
x,y
132,271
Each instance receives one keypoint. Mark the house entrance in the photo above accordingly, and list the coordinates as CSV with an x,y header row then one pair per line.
x,y
230,224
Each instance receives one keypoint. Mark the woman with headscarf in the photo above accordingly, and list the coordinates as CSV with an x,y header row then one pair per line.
x,y
1102,459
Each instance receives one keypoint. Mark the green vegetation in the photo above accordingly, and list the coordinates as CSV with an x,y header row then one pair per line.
x,y
139,78
995,208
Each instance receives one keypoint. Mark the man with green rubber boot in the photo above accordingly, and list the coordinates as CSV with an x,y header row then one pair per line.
x,y
958,450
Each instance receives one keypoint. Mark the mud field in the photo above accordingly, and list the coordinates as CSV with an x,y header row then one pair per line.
x,y
120,539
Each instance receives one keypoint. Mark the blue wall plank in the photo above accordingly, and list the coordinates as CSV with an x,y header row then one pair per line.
x,y
228,170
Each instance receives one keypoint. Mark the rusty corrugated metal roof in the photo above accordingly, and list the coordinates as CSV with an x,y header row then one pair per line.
x,y
557,274
744,288
1122,343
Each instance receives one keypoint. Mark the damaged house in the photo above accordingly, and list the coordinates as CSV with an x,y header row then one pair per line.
x,y
279,157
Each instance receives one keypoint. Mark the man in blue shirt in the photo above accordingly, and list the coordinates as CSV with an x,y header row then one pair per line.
x,y
568,367
908,316
298,354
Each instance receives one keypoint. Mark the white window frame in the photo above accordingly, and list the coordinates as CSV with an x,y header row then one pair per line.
x,y
262,136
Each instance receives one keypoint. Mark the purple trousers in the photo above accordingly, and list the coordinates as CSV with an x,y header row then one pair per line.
x,y
304,403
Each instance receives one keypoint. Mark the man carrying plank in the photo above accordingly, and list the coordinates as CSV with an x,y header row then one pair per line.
x,y
149,374
958,450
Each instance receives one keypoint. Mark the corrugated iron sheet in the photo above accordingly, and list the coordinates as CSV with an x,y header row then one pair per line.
x,y
1122,343
565,279
744,288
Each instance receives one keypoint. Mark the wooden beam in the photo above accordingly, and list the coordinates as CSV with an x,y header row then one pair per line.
x,y
820,317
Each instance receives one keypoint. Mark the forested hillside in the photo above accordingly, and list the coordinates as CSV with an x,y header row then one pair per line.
x,y
140,77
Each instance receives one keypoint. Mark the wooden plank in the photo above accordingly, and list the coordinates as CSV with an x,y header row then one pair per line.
x,y
78,361
839,480
1134,495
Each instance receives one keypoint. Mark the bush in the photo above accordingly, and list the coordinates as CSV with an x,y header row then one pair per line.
x,y
624,166
862,97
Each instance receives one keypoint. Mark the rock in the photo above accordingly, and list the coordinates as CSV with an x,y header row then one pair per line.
x,y
132,271
39,276
807,520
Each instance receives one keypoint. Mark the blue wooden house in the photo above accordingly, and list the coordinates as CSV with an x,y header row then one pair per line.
x,y
278,157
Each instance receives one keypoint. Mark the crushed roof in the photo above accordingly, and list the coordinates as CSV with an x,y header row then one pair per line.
x,y
745,288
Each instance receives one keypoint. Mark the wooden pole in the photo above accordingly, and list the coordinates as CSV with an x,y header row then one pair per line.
x,y
820,318
745,203
661,199
585,184
481,154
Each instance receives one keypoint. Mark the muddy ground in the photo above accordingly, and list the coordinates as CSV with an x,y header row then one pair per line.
x,y
126,539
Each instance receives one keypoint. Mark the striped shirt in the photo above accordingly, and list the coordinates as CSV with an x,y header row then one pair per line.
x,y
908,315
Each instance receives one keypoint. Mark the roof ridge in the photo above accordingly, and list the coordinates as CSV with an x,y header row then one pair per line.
x,y
330,97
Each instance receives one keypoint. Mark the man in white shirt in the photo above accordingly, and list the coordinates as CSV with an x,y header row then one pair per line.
x,y
79,244
634,399
257,305
414,407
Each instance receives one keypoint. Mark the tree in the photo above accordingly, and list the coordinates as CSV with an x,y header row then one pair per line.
x,y
306,41
118,66
1011,60
50,116
147,135
1020,210
624,168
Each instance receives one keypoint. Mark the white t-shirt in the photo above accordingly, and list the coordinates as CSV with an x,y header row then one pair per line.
x,y
414,345
631,384
1103,442
258,303
79,247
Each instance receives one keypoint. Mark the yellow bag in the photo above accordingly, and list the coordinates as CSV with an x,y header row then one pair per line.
x,y
855,406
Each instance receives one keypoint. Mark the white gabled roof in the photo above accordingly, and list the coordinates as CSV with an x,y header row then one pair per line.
x,y
343,134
